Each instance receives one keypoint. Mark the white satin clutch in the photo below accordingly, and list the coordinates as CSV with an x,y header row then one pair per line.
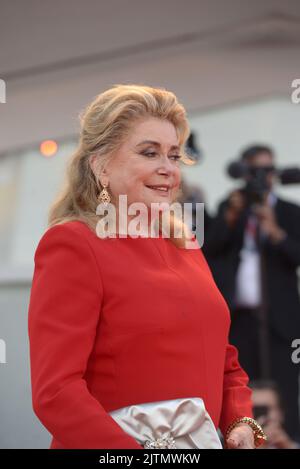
x,y
171,424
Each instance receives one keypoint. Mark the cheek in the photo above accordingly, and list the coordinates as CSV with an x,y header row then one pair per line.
x,y
176,179
130,179
140,176
135,184
177,176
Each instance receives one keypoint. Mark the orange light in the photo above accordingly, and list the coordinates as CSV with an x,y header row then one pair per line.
x,y
48,147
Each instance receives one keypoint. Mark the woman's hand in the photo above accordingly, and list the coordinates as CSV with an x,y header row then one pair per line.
x,y
241,437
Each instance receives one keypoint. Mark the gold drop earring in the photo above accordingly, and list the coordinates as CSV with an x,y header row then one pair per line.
x,y
104,197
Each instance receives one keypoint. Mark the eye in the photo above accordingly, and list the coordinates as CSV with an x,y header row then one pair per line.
x,y
151,154
175,157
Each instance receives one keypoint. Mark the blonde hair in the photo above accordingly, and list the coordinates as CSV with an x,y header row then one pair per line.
x,y
105,124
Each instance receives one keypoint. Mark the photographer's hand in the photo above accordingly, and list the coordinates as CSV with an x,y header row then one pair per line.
x,y
277,436
236,204
268,223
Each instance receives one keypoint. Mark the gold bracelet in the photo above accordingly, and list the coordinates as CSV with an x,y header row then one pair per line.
x,y
259,435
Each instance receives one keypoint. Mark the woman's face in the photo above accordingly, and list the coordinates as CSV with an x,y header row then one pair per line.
x,y
146,166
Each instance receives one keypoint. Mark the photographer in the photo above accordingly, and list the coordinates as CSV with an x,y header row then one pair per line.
x,y
253,249
270,414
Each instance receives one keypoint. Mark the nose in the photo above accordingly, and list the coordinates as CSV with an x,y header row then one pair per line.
x,y
165,166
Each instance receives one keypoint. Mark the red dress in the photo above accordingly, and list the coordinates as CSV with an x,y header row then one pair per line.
x,y
122,321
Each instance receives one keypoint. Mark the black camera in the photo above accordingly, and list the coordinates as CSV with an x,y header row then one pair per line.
x,y
257,178
261,411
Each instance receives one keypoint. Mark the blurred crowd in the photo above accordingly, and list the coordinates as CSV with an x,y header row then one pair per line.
x,y
252,246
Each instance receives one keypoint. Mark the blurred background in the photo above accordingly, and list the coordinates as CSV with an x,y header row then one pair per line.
x,y
231,63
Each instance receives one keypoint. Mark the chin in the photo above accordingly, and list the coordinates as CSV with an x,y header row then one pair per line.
x,y
160,200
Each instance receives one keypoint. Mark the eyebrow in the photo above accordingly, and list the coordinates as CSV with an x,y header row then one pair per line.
x,y
157,144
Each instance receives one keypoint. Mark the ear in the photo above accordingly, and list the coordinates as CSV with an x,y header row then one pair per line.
x,y
102,175
93,163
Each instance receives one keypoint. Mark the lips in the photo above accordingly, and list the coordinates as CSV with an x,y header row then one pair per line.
x,y
162,189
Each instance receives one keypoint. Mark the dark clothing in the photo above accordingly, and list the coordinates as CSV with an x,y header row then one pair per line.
x,y
283,371
222,248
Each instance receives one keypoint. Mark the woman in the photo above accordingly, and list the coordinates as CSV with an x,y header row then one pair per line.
x,y
127,319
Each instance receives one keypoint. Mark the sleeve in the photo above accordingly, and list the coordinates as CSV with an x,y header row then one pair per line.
x,y
289,247
237,400
64,309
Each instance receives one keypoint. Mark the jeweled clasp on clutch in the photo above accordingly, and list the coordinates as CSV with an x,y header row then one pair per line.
x,y
167,442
